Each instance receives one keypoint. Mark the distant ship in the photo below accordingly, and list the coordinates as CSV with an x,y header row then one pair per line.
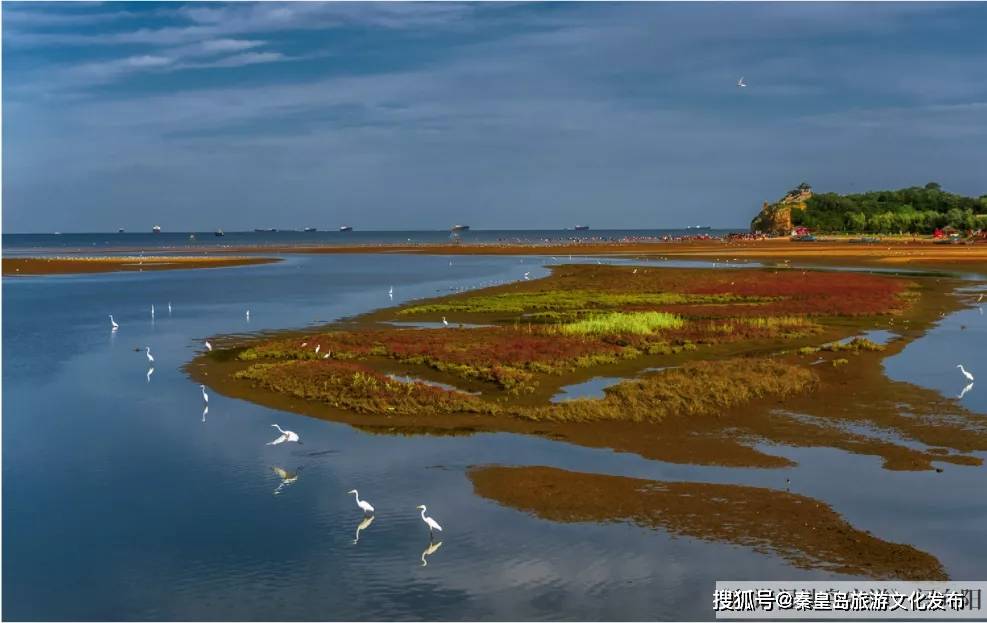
x,y
310,229
120,231
460,227
219,232
266,230
699,227
156,229
345,228
581,227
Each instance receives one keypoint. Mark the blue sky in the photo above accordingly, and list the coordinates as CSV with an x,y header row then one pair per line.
x,y
502,115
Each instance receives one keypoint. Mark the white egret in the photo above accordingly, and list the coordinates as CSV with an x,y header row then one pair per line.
x,y
444,321
286,435
365,505
248,315
741,83
367,520
169,308
965,373
152,310
113,324
390,292
147,351
431,523
208,346
965,390
526,276
205,396
150,371
431,549
317,348
287,478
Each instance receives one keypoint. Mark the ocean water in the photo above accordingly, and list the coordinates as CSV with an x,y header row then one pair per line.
x,y
123,500
15,244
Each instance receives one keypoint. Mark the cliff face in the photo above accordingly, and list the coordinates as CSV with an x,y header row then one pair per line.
x,y
776,218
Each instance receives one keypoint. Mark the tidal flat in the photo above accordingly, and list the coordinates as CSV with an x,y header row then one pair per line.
x,y
746,359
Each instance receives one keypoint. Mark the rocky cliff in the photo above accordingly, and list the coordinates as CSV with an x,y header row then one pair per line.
x,y
776,218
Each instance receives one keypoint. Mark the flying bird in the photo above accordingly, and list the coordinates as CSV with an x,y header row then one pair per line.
x,y
365,505
113,325
147,351
286,435
431,523
741,83
965,373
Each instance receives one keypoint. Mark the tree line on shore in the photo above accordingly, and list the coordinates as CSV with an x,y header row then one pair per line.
x,y
919,210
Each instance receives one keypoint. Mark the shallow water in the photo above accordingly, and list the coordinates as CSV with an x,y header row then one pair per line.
x,y
120,502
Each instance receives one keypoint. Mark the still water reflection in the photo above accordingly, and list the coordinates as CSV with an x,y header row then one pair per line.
x,y
123,500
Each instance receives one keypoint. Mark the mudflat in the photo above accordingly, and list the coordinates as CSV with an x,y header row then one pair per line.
x,y
69,265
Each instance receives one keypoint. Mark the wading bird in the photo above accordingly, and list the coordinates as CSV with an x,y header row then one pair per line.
x,y
317,348
369,519
965,373
205,396
365,505
113,324
741,83
431,523
169,308
248,315
444,321
286,435
208,346
526,276
152,310
147,351
390,292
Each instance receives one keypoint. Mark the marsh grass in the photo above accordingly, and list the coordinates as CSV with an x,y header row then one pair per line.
x,y
618,323
568,300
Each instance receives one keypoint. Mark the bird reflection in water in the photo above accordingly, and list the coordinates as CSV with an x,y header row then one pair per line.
x,y
150,371
964,391
363,525
431,549
205,412
287,478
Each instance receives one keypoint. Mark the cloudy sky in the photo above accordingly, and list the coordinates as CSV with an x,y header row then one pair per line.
x,y
501,115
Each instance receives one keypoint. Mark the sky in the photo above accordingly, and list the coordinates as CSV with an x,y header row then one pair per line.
x,y
197,116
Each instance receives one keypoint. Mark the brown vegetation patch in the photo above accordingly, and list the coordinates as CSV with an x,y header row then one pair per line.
x,y
805,532
70,265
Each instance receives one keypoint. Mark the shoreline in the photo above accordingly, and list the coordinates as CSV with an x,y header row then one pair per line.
x,y
947,431
888,253
34,266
